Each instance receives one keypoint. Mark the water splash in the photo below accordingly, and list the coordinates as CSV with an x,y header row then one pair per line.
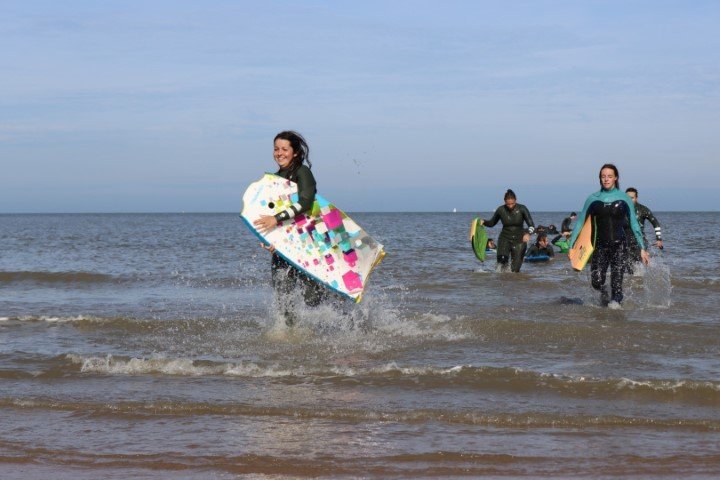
x,y
657,283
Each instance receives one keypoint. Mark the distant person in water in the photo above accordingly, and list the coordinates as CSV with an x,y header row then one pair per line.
x,y
291,153
512,241
561,241
490,247
611,210
643,213
566,225
541,247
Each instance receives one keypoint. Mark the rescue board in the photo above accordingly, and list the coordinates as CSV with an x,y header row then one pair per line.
x,y
583,248
478,239
324,243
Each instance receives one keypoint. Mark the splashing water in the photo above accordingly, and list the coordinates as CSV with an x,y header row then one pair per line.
x,y
657,284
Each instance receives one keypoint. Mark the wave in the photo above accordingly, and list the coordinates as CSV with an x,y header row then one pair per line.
x,y
491,419
487,378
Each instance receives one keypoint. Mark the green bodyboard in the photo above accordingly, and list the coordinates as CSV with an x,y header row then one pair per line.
x,y
478,239
563,246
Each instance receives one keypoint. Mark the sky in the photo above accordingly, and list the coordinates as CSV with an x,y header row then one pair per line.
x,y
408,105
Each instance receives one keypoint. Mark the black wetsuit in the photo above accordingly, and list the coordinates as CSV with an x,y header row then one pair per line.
x,y
510,243
565,226
643,213
536,250
285,277
612,211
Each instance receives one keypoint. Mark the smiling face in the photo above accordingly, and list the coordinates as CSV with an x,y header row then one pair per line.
x,y
633,197
510,203
608,178
283,153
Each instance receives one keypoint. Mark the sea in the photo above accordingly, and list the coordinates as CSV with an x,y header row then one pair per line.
x,y
150,346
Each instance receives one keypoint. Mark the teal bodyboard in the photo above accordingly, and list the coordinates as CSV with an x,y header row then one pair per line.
x,y
537,258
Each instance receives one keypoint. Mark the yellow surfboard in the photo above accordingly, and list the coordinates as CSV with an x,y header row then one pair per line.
x,y
583,248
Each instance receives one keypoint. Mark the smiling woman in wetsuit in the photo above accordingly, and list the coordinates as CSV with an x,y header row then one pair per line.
x,y
512,241
291,152
611,210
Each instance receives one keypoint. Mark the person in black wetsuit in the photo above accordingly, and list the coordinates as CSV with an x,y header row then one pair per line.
x,y
566,225
643,213
512,241
541,247
291,152
611,210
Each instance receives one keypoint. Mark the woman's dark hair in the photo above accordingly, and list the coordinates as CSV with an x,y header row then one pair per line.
x,y
631,189
509,194
540,237
617,174
299,146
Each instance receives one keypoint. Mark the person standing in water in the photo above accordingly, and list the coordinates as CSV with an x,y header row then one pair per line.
x,y
566,226
512,241
643,213
611,210
292,154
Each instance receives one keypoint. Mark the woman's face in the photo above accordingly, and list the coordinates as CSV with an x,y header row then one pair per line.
x,y
510,203
608,178
283,153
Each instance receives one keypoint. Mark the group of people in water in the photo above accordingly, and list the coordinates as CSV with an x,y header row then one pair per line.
x,y
618,234
618,229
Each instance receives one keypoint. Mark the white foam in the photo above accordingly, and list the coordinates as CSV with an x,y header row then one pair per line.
x,y
179,366
53,319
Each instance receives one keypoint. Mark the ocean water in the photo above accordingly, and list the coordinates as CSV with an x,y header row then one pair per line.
x,y
148,346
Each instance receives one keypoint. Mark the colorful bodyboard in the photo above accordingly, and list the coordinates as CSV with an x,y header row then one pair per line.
x,y
478,239
324,243
583,248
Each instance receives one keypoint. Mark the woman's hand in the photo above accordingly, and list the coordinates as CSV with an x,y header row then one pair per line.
x,y
526,238
645,256
269,248
265,223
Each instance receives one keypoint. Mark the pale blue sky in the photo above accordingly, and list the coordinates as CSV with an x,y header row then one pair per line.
x,y
161,105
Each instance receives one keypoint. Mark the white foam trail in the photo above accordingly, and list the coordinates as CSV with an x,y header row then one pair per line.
x,y
51,319
179,366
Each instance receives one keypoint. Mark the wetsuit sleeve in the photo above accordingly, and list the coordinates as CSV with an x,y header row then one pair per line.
x,y
494,220
306,195
634,224
655,223
528,220
555,239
